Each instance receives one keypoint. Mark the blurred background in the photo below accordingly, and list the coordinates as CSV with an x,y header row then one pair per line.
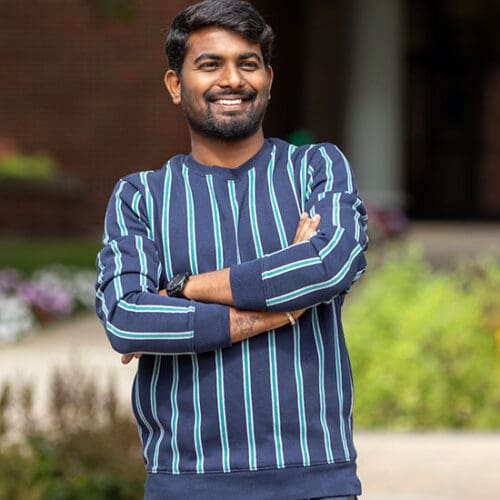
x,y
410,91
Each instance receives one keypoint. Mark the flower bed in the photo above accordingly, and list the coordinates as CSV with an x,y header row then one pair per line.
x,y
51,293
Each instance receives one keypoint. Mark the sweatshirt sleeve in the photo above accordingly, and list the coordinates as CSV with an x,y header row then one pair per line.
x,y
317,270
136,319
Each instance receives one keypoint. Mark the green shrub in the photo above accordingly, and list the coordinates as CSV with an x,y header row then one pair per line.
x,y
39,166
91,450
425,344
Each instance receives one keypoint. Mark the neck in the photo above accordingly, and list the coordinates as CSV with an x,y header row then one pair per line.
x,y
223,153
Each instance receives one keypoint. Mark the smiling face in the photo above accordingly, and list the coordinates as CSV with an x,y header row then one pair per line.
x,y
224,85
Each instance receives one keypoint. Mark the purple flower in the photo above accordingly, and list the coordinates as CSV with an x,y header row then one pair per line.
x,y
53,300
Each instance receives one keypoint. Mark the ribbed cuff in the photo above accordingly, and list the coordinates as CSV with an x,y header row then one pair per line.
x,y
211,327
247,286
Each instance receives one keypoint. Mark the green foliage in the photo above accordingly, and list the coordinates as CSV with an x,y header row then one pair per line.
x,y
28,166
29,255
425,344
91,450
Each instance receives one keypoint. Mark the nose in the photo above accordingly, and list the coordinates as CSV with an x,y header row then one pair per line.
x,y
231,77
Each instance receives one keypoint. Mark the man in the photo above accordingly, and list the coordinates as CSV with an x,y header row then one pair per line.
x,y
225,272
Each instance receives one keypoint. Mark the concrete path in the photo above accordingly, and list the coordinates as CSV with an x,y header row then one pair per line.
x,y
392,466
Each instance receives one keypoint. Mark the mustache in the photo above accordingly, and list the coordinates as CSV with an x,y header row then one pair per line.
x,y
243,94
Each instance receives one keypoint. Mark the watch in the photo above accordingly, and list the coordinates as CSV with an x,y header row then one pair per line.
x,y
176,285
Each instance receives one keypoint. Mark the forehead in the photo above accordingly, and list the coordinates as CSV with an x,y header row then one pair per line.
x,y
219,41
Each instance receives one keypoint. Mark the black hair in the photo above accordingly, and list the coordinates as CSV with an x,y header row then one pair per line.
x,y
237,16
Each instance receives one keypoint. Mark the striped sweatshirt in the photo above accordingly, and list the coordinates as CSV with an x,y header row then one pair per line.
x,y
269,417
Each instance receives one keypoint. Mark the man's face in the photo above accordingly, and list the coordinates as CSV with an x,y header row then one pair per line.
x,y
224,86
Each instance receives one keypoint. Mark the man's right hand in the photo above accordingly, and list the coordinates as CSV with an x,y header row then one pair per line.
x,y
306,227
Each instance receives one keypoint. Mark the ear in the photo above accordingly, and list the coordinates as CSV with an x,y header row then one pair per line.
x,y
270,75
173,85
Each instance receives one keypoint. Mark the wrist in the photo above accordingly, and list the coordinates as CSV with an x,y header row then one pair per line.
x,y
176,286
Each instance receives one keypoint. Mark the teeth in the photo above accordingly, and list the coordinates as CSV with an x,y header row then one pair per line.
x,y
230,102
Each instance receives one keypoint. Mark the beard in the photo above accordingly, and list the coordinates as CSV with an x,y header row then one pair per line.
x,y
232,125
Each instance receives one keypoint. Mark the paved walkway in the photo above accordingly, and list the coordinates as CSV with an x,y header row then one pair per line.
x,y
392,466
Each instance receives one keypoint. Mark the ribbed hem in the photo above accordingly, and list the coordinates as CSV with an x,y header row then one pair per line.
x,y
277,484
211,326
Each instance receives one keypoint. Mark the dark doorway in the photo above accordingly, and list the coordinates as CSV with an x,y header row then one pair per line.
x,y
453,103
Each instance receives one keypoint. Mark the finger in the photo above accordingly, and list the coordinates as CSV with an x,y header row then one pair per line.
x,y
315,223
312,226
301,227
162,292
307,227
126,358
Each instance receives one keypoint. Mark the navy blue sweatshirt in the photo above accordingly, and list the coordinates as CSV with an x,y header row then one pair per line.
x,y
269,417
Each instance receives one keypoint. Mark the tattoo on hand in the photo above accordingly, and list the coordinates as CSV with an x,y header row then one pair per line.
x,y
244,326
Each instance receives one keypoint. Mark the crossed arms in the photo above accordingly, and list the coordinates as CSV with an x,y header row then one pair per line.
x,y
215,286
231,304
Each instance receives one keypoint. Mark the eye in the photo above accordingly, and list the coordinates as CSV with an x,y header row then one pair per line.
x,y
249,65
209,66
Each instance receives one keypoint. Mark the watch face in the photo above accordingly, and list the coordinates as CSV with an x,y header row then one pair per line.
x,y
176,284
176,281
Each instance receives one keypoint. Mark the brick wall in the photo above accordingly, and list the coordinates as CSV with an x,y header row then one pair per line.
x,y
89,91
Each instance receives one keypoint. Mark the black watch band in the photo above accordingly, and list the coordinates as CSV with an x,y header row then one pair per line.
x,y
176,285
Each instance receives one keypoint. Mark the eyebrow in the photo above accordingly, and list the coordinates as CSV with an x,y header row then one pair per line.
x,y
217,57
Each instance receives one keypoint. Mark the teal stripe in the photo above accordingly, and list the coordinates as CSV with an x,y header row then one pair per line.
x,y
105,235
234,209
328,169
142,263
118,269
357,203
303,180
149,335
336,209
102,298
291,176
197,415
216,223
277,271
167,188
174,419
135,203
340,392
193,261
247,391
152,308
274,202
245,346
253,213
347,171
143,419
219,365
275,400
154,411
118,210
326,250
310,180
219,373
321,384
299,383
149,205
318,286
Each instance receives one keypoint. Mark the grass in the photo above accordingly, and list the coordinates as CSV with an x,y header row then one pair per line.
x,y
28,255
